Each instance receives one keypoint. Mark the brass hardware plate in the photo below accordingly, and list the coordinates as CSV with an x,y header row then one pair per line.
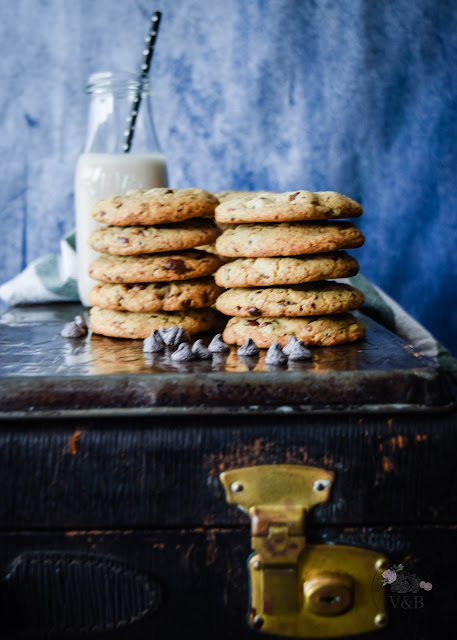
x,y
278,485
314,618
298,589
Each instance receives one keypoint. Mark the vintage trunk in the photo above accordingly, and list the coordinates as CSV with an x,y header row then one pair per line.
x,y
115,518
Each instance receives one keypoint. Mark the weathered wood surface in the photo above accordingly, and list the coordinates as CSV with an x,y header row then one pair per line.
x,y
144,473
42,373
203,576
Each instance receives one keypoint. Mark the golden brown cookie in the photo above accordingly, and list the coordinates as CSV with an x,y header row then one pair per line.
x,y
156,206
124,324
312,330
290,206
155,267
126,241
287,239
160,296
310,299
223,196
265,272
209,248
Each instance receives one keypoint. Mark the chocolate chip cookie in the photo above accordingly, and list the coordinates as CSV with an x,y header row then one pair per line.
x,y
312,330
223,196
156,267
124,241
255,272
124,324
155,206
308,299
290,206
287,239
161,296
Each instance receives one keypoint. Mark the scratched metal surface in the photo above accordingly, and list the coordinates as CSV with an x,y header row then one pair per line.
x,y
42,371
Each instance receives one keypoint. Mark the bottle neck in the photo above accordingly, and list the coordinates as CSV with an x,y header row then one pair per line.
x,y
110,123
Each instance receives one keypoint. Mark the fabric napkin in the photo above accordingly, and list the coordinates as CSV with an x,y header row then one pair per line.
x,y
52,278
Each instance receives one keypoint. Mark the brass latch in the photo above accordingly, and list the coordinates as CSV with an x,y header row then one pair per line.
x,y
298,589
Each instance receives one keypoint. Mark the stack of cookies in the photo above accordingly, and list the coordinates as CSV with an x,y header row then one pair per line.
x,y
287,246
150,275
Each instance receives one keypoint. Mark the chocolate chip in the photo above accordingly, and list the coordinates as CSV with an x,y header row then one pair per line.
x,y
264,324
75,329
217,345
298,351
168,191
187,304
252,323
293,196
140,232
177,266
118,206
253,311
249,348
200,351
80,322
123,240
183,353
102,213
153,343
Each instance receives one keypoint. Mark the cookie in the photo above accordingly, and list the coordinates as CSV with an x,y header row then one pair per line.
x,y
155,267
126,241
314,330
171,296
209,248
223,196
287,239
310,299
124,324
156,206
290,206
263,272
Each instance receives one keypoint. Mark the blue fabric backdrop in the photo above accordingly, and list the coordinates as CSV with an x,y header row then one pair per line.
x,y
357,96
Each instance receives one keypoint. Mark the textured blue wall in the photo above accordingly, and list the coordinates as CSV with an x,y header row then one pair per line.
x,y
357,96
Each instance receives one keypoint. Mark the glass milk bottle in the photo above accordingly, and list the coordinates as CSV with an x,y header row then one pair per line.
x,y
119,105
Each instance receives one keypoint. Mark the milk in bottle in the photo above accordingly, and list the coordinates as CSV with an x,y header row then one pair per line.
x,y
104,169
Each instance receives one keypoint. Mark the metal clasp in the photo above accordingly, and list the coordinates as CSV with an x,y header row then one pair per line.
x,y
299,589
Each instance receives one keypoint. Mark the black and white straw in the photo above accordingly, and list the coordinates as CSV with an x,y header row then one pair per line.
x,y
147,57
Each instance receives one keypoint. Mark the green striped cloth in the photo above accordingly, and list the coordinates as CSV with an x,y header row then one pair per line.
x,y
53,278
382,308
